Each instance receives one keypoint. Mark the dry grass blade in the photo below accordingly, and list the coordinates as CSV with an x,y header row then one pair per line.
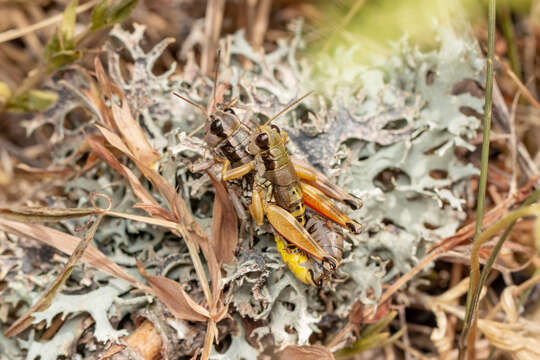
x,y
45,300
115,140
16,33
45,214
212,29
522,88
260,25
180,212
45,172
177,205
67,244
224,224
313,352
104,84
141,193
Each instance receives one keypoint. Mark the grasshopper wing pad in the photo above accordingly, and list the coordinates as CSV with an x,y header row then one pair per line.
x,y
287,226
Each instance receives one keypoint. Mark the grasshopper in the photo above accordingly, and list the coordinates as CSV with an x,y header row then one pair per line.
x,y
302,265
229,140
279,196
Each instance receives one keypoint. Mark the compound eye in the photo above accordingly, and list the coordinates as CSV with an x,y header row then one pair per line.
x,y
229,110
216,127
262,140
276,128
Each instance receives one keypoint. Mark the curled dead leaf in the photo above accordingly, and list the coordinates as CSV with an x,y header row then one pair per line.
x,y
173,295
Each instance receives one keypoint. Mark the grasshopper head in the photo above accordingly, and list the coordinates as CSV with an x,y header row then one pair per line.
x,y
220,125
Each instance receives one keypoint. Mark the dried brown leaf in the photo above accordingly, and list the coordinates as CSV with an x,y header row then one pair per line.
x,y
45,300
214,269
382,311
133,135
105,84
356,315
92,161
95,93
67,244
224,224
114,140
131,132
171,293
136,146
313,352
155,210
177,204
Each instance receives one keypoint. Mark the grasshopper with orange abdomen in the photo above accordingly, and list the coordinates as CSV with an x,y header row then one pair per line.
x,y
230,140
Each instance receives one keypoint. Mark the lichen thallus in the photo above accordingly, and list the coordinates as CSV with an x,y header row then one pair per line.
x,y
276,189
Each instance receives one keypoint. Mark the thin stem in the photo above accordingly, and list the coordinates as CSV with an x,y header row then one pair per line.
x,y
469,331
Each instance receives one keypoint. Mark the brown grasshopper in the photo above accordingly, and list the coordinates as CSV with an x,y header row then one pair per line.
x,y
278,195
228,138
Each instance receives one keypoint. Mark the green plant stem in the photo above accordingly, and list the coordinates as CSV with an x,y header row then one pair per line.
x,y
474,294
469,332
495,252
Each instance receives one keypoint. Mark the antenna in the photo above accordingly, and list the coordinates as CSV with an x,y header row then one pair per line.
x,y
200,107
232,102
196,130
216,73
254,123
287,108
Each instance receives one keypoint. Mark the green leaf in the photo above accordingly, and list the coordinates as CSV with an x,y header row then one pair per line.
x,y
105,13
100,14
63,40
33,100
122,10
62,58
67,28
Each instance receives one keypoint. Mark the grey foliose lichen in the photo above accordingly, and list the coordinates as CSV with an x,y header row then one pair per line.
x,y
386,133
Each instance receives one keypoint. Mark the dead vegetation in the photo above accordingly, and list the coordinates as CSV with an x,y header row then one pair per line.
x,y
111,247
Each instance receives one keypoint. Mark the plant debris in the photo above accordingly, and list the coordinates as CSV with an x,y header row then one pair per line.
x,y
392,134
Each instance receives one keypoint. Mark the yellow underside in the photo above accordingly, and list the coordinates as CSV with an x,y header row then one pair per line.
x,y
297,261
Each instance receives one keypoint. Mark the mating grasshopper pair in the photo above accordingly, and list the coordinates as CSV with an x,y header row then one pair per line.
x,y
256,161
